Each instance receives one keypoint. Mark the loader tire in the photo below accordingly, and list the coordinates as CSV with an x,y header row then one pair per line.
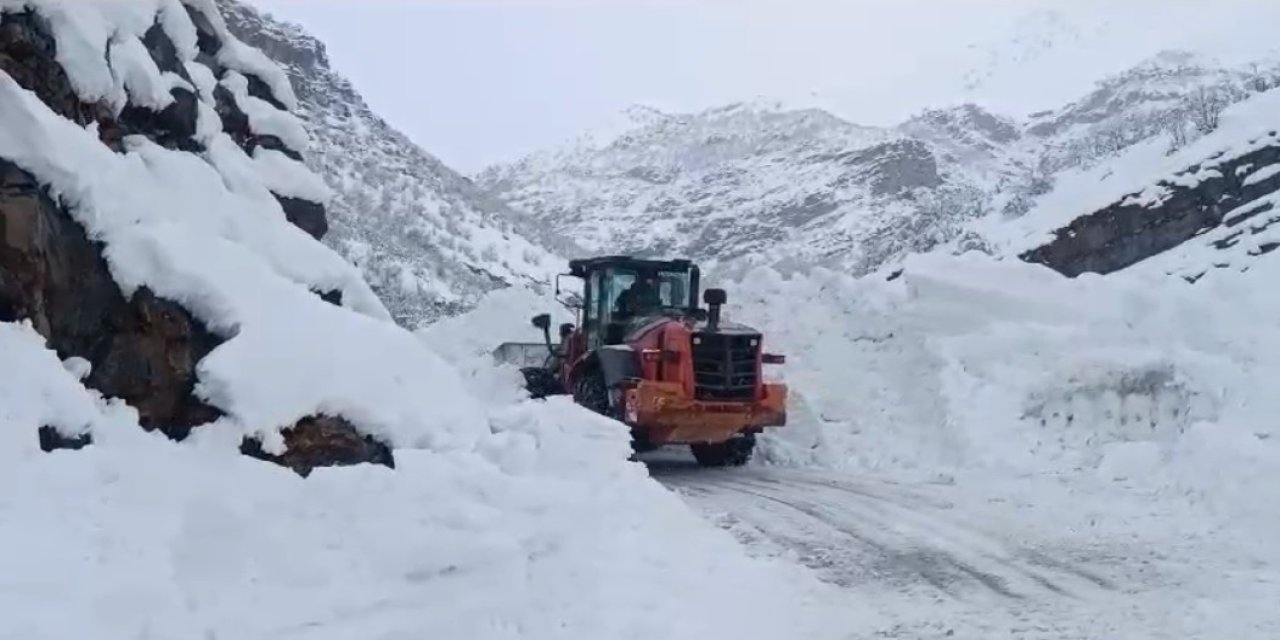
x,y
541,383
733,452
591,392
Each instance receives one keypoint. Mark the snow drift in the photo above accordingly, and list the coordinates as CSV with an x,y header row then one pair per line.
x,y
538,531
503,518
967,363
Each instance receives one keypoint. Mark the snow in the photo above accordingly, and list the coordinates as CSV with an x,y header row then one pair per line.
x,y
36,390
1143,398
969,362
265,119
539,531
988,411
83,31
1261,175
207,234
287,177
138,73
1132,407
503,518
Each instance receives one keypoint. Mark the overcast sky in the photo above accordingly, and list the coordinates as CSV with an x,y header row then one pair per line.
x,y
478,82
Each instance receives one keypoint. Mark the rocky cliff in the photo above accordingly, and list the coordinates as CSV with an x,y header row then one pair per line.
x,y
428,240
94,132
1216,212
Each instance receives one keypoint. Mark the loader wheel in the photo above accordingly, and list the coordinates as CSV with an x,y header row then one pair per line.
x,y
541,383
733,452
591,393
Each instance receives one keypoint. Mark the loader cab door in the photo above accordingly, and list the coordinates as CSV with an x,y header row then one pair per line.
x,y
592,318
603,288
606,318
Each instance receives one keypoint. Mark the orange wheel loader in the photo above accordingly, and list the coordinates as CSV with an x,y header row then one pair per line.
x,y
645,353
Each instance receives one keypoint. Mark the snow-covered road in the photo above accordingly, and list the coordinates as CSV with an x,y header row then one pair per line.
x,y
941,560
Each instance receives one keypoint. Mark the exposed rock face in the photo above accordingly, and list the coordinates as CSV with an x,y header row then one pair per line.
x,y
305,215
898,167
52,440
27,53
323,441
1229,195
142,349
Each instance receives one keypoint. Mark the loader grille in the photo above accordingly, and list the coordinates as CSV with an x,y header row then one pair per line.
x,y
724,366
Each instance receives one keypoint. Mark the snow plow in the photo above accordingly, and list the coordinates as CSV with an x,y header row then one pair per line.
x,y
644,352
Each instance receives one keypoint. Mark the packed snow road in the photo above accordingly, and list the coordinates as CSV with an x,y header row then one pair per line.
x,y
938,560
853,532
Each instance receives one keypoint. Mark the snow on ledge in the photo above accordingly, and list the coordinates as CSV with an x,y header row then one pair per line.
x,y
204,231
32,371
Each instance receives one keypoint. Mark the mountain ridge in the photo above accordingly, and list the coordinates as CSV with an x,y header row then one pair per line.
x,y
749,184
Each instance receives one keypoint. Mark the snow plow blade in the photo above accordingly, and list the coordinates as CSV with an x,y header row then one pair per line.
x,y
671,417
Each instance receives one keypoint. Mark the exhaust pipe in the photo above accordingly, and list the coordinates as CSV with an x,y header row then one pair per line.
x,y
714,298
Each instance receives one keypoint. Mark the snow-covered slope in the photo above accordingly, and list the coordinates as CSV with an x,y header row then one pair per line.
x,y
422,234
502,518
1208,205
743,180
757,184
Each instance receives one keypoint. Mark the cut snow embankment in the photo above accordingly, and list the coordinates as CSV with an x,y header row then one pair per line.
x,y
542,531
966,363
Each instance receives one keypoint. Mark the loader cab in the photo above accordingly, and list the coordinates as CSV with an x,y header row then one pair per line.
x,y
619,291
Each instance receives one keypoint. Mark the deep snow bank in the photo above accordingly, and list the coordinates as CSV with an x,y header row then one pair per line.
x,y
971,363
539,531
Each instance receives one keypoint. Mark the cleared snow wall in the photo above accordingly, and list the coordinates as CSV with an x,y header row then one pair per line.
x,y
966,363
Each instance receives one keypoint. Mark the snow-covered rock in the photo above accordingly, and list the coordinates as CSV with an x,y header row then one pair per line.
x,y
1211,207
424,236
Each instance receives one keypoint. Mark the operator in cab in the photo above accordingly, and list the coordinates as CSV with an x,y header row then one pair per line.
x,y
640,298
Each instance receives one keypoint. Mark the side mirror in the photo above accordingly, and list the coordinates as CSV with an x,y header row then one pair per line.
x,y
542,321
571,301
565,330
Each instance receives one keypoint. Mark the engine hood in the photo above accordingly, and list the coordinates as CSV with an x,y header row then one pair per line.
x,y
637,327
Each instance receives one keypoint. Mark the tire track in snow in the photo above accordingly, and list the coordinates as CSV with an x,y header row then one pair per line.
x,y
856,534
930,560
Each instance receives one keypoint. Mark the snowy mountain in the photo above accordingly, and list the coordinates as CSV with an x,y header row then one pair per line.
x,y
423,235
755,184
743,180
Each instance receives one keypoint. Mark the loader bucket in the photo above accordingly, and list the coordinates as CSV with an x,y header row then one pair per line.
x,y
521,354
